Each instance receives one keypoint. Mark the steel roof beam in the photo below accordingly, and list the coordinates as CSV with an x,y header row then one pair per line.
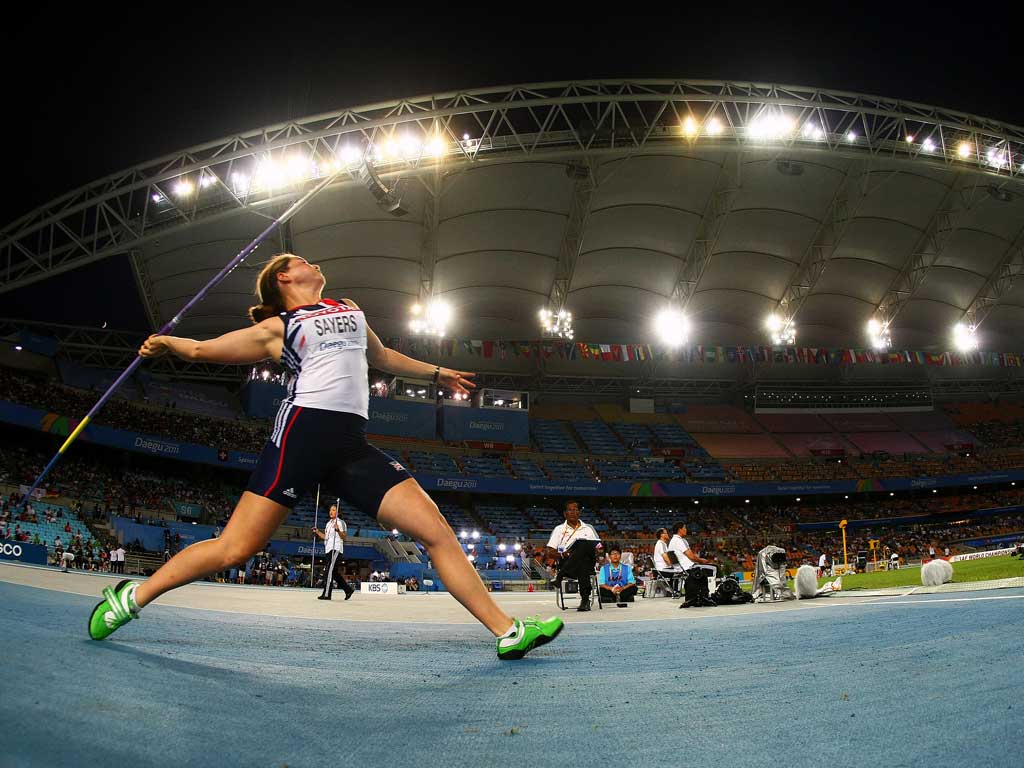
x,y
587,117
926,251
999,283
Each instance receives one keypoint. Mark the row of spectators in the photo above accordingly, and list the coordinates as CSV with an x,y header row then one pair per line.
x,y
102,486
40,392
32,390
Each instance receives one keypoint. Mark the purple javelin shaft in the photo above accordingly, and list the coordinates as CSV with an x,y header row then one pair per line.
x,y
173,322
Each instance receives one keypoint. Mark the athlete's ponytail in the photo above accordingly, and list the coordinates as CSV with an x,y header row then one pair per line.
x,y
268,289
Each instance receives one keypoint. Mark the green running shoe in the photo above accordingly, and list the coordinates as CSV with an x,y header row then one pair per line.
x,y
526,635
116,609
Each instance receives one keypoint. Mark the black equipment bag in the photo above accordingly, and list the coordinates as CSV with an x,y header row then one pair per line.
x,y
695,587
730,592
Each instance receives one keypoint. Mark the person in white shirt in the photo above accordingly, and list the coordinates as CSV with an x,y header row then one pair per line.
x,y
662,563
664,568
333,537
687,558
120,558
574,562
823,569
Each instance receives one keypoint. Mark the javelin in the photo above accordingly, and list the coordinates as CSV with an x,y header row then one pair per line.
x,y
173,322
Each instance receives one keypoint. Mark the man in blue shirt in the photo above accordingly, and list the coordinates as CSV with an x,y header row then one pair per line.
x,y
616,579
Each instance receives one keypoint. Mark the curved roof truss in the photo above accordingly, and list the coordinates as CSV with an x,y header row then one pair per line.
x,y
587,119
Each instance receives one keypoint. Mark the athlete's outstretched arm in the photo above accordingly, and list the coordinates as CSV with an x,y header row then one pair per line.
x,y
248,345
393,361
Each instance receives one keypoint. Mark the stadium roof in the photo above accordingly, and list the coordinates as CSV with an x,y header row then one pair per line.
x,y
612,199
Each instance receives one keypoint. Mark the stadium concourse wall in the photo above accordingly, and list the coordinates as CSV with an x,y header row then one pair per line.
x,y
37,419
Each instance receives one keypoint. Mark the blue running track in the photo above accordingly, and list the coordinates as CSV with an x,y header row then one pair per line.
x,y
931,680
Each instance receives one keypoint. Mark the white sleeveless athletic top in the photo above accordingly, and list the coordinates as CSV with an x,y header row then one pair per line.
x,y
325,352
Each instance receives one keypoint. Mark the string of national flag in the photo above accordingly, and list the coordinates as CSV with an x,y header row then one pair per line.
x,y
625,353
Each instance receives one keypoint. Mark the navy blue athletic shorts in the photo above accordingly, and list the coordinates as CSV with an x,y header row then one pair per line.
x,y
310,447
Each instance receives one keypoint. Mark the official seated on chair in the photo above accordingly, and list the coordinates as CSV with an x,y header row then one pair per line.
x,y
666,573
573,562
615,579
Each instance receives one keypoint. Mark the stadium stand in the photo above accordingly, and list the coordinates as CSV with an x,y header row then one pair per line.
x,y
434,463
598,437
717,418
526,469
485,466
744,446
553,436
568,470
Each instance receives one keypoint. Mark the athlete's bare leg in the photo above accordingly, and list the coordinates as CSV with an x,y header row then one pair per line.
x,y
408,508
251,525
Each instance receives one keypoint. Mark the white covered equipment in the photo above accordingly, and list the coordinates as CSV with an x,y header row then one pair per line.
x,y
770,576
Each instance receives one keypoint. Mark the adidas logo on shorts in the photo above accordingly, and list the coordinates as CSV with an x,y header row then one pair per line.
x,y
290,493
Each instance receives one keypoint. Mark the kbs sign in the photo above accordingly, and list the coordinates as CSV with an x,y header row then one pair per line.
x,y
23,552
389,588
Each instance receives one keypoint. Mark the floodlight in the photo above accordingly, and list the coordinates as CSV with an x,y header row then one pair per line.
x,y
783,332
18,347
269,175
556,324
184,188
501,547
409,145
208,180
436,147
471,546
432,319
714,126
157,197
812,131
517,546
297,167
910,138
964,149
470,558
475,534
771,126
672,327
878,334
350,155
996,158
928,145
851,136
689,126
462,534
964,338
510,558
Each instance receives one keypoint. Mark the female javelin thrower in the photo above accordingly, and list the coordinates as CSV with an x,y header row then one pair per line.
x,y
319,436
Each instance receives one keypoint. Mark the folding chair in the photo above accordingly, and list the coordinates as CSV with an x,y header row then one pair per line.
x,y
658,580
568,586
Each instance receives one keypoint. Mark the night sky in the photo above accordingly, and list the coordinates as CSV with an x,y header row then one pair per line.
x,y
90,91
